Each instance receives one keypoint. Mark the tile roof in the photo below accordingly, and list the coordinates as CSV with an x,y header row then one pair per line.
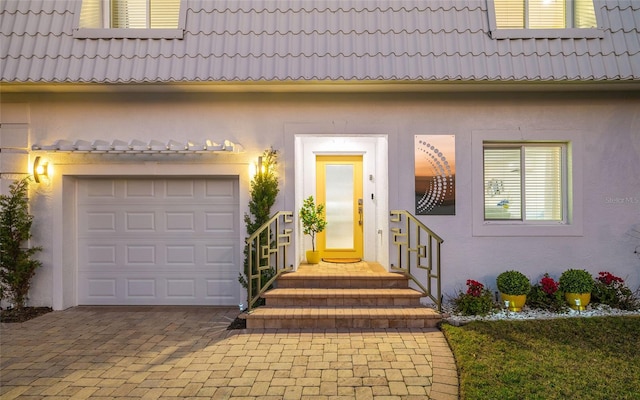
x,y
317,40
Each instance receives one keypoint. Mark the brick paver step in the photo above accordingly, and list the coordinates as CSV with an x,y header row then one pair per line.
x,y
343,317
342,297
352,281
343,312
326,295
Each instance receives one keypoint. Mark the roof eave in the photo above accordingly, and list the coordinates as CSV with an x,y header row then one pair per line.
x,y
360,86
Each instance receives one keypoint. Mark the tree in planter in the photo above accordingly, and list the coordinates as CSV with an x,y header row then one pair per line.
x,y
313,221
264,191
17,267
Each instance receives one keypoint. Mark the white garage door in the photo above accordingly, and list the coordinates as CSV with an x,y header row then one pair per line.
x,y
158,241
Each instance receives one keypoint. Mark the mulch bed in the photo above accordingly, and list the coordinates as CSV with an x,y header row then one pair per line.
x,y
22,314
238,323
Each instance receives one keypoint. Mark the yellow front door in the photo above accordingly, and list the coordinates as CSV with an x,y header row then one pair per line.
x,y
339,188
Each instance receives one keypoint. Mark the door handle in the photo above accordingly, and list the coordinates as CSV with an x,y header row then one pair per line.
x,y
360,211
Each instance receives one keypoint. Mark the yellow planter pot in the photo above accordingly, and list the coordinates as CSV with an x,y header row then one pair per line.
x,y
578,301
516,301
313,257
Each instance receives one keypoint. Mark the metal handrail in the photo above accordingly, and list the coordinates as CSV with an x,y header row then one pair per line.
x,y
266,255
415,244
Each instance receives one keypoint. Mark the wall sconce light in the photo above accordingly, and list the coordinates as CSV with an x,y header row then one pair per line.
x,y
259,169
40,169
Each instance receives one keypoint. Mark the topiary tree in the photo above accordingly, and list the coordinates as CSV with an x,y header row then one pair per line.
x,y
264,191
576,281
17,267
513,283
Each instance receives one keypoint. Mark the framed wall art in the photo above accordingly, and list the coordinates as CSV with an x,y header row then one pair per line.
x,y
435,174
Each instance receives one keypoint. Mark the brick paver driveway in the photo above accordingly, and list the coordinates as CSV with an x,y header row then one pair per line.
x,y
188,353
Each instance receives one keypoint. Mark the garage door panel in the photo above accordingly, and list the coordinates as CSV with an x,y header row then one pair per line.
x,y
180,221
180,188
136,188
100,222
98,188
140,221
184,288
222,221
212,191
220,191
141,288
174,290
221,291
140,254
220,254
180,254
101,254
96,255
102,288
158,241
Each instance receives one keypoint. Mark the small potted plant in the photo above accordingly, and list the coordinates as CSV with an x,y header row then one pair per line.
x,y
313,222
514,287
577,285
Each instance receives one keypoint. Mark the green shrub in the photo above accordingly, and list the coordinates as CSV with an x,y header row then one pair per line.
x,y
17,267
264,191
513,283
576,281
611,290
475,301
546,295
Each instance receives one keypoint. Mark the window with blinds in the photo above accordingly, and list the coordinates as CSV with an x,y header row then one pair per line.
x,y
130,14
544,14
525,182
145,14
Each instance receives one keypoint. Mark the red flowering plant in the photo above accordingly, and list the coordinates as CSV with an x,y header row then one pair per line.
x,y
546,295
612,291
474,288
477,300
548,285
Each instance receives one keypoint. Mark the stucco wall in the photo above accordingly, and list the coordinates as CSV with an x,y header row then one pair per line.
x,y
607,127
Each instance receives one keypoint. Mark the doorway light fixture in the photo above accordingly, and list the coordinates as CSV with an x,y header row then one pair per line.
x,y
40,169
255,168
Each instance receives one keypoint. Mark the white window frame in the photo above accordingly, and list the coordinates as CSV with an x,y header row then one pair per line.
x,y
522,146
572,224
126,33
526,33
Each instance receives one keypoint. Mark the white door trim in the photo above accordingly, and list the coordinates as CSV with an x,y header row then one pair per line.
x,y
374,151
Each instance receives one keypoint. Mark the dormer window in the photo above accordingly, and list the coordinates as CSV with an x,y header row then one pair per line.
x,y
144,14
542,18
130,18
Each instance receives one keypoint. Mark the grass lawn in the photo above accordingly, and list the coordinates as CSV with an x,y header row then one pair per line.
x,y
567,358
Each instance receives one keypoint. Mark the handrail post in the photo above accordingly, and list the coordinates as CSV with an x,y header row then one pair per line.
x,y
411,241
267,255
